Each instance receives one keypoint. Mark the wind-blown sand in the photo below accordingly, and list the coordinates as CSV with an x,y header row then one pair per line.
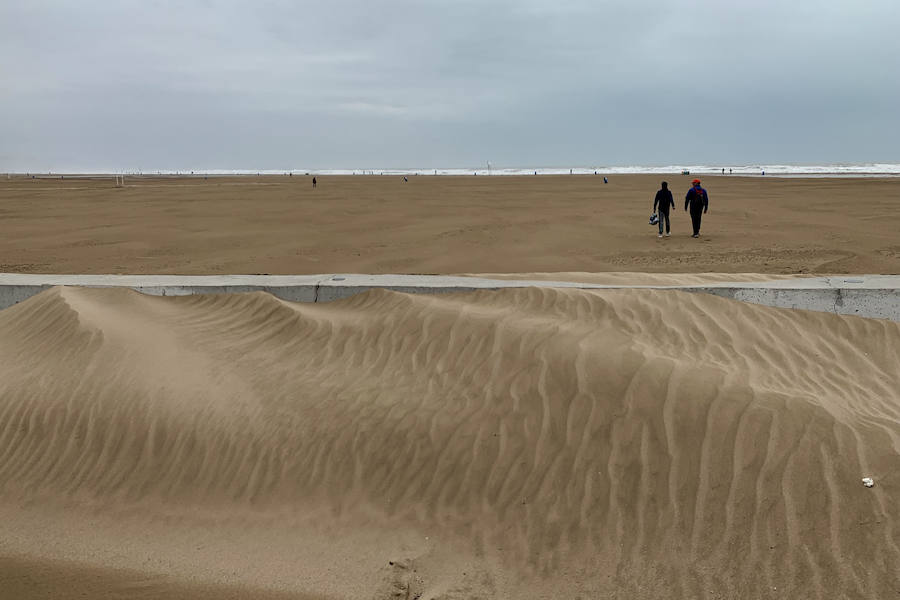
x,y
444,225
523,443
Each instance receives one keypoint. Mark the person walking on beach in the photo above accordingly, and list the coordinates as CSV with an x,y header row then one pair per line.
x,y
664,200
314,183
698,201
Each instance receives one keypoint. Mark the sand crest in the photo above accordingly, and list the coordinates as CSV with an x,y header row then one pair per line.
x,y
522,443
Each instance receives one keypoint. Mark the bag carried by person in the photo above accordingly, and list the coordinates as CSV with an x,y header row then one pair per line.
x,y
654,219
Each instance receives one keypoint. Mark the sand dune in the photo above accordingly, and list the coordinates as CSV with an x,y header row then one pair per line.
x,y
523,443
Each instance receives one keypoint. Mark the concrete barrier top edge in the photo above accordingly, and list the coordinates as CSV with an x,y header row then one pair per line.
x,y
420,281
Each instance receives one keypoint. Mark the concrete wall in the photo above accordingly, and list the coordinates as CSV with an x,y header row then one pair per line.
x,y
872,303
874,296
13,294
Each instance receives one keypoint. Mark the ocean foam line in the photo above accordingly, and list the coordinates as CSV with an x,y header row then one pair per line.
x,y
821,170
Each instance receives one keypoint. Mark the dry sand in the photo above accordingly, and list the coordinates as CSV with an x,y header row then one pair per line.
x,y
524,443
380,224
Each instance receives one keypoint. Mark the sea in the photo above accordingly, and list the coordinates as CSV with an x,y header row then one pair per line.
x,y
773,170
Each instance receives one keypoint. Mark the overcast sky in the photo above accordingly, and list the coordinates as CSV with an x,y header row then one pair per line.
x,y
427,83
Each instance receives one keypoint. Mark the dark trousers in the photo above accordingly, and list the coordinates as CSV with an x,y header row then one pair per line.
x,y
696,216
663,215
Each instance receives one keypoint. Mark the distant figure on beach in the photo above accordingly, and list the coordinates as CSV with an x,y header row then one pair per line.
x,y
698,200
605,180
314,183
664,200
729,170
405,179
723,170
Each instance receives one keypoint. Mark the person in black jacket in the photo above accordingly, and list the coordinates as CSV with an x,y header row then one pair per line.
x,y
664,200
698,200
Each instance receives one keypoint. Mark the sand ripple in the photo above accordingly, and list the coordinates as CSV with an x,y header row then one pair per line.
x,y
631,443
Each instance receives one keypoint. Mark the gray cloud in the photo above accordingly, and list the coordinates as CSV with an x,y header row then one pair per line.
x,y
428,83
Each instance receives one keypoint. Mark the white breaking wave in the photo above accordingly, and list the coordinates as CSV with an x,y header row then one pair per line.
x,y
826,170
835,169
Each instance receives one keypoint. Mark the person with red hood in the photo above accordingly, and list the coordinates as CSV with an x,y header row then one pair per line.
x,y
698,201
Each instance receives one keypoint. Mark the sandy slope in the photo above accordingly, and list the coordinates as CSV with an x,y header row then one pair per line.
x,y
520,443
